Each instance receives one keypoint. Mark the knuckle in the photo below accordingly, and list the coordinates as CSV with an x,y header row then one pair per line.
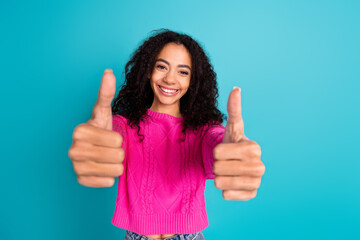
x,y
253,194
255,150
257,183
120,154
258,169
78,131
261,169
72,153
118,169
75,153
118,139
217,182
109,182
217,151
81,180
86,181
216,167
264,168
254,184
226,195
79,168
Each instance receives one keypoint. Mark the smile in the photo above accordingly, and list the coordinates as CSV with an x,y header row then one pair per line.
x,y
167,91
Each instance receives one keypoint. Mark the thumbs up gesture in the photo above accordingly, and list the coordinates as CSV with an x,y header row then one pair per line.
x,y
96,151
237,165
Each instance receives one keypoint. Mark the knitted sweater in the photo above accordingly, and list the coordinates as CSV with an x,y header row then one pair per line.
x,y
161,190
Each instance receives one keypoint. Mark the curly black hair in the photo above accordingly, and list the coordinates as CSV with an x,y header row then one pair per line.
x,y
198,106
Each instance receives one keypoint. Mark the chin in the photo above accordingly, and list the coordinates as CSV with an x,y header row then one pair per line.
x,y
168,101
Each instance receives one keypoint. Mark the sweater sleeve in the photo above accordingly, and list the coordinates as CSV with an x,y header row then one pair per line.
x,y
119,124
212,137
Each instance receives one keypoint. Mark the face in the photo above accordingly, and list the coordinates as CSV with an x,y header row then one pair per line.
x,y
170,78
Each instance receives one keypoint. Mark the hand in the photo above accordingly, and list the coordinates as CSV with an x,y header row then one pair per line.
x,y
96,151
237,166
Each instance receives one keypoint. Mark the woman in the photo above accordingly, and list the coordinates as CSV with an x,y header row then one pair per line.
x,y
168,74
145,69
166,126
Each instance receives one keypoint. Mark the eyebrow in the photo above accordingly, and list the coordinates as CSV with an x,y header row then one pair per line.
x,y
180,65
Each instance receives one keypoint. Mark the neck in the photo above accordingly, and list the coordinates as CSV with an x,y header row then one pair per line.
x,y
171,110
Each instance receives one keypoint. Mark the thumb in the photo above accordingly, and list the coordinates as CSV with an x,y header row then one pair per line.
x,y
234,129
102,114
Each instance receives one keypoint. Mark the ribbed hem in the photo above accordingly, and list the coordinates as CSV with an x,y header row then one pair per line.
x,y
160,223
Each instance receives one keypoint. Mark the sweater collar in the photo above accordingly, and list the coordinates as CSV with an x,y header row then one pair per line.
x,y
153,114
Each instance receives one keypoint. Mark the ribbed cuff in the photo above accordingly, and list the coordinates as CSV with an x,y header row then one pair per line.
x,y
208,148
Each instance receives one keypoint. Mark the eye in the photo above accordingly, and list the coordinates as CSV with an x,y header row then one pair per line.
x,y
184,73
160,67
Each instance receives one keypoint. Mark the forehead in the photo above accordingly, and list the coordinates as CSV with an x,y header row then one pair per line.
x,y
175,53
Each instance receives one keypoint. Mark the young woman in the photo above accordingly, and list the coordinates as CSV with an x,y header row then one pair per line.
x,y
163,137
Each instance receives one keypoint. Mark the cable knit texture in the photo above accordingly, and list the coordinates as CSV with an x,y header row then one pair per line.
x,y
161,190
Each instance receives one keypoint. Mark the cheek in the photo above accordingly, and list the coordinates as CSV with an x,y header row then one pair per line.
x,y
157,76
185,88
186,83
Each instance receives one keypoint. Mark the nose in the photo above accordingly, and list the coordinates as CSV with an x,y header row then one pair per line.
x,y
170,78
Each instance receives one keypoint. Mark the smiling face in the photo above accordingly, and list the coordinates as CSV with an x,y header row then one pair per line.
x,y
170,78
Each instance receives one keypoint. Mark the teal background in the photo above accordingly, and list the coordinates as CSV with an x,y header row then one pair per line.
x,y
297,63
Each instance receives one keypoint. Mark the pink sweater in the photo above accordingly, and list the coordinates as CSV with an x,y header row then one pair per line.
x,y
161,190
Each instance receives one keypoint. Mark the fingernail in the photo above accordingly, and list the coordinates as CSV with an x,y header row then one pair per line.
x,y
108,70
238,88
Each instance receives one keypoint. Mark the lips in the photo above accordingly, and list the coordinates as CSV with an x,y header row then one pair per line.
x,y
168,91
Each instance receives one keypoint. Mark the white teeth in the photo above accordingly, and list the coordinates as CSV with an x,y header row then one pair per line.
x,y
167,90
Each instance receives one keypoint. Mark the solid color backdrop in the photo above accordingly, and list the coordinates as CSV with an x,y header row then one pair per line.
x,y
297,63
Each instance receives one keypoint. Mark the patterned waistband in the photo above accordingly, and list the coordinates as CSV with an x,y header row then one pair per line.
x,y
135,236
